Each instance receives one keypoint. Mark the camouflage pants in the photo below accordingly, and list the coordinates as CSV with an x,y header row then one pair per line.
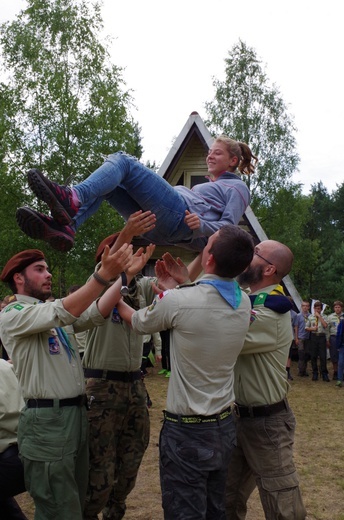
x,y
119,436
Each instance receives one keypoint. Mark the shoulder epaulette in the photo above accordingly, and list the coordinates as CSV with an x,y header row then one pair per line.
x,y
275,302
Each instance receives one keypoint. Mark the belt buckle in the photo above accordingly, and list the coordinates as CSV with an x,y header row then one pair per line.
x,y
89,401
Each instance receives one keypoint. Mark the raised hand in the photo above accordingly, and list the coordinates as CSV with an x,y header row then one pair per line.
x,y
140,223
165,280
113,264
175,268
139,260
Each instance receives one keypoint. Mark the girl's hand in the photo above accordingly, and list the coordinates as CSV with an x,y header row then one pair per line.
x,y
192,220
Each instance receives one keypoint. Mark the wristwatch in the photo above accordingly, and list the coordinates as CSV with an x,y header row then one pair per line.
x,y
124,289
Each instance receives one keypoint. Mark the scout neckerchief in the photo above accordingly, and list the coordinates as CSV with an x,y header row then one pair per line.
x,y
230,291
62,335
64,340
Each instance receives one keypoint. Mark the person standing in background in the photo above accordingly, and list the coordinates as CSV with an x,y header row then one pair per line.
x,y
318,327
333,322
302,338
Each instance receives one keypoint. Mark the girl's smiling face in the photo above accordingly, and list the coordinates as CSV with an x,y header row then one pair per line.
x,y
219,160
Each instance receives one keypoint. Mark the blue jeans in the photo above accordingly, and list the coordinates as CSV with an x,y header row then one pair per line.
x,y
129,186
340,364
193,469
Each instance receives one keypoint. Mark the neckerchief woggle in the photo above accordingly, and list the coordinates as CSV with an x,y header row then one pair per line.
x,y
230,291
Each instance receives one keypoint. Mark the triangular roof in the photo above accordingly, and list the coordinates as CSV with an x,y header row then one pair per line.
x,y
193,135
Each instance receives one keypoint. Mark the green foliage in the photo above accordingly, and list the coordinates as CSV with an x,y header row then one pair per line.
x,y
248,109
63,108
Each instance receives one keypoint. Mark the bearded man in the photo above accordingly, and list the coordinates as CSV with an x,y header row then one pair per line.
x,y
265,424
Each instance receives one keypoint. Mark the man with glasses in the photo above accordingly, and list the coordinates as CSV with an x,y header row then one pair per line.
x,y
265,424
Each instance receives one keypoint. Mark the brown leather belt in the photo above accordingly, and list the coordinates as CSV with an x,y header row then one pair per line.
x,y
260,411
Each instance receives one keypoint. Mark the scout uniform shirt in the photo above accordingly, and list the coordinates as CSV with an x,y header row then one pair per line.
x,y
11,402
44,368
115,346
333,322
206,336
260,368
313,321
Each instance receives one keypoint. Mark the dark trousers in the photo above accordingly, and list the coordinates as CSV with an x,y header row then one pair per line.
x,y
304,356
11,484
318,349
194,462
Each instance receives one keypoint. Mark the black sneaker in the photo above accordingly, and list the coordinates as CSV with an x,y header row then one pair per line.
x,y
39,226
59,198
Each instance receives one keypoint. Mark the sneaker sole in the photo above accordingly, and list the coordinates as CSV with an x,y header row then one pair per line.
x,y
34,227
37,184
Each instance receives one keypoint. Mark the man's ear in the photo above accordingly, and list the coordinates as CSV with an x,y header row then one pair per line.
x,y
18,279
210,261
270,270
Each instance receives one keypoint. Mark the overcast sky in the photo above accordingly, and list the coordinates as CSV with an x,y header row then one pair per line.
x,y
172,50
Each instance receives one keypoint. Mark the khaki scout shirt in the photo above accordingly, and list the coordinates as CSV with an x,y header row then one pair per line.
x,y
313,321
333,322
260,376
11,402
27,329
206,337
115,346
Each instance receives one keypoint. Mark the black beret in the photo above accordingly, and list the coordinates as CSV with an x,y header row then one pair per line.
x,y
18,262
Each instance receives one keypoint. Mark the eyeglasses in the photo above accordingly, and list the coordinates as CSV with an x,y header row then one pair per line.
x,y
265,259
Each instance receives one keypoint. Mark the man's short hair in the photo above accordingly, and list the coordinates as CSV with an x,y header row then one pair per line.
x,y
338,302
232,250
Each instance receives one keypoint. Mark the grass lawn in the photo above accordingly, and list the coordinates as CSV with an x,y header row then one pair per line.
x,y
319,452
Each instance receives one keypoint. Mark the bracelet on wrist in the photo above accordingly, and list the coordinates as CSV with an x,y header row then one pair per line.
x,y
101,280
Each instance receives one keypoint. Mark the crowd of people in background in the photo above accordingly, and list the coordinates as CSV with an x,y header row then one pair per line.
x,y
318,341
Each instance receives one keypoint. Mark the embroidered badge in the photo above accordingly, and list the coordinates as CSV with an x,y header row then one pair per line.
x,y
152,305
17,306
253,316
115,317
54,347
260,299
